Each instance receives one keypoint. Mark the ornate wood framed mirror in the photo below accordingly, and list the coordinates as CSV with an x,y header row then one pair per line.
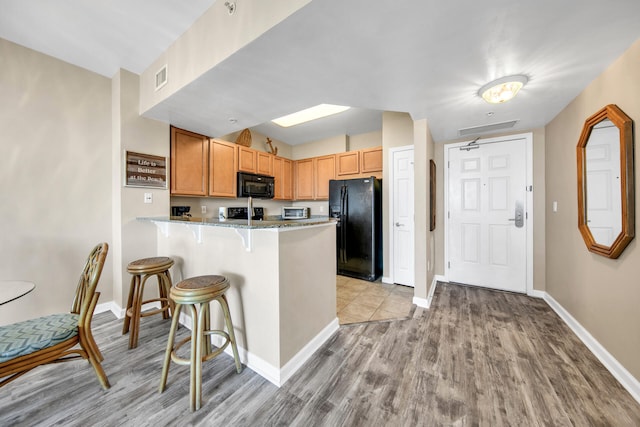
x,y
606,190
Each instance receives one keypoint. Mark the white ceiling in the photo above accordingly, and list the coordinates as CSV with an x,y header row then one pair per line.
x,y
424,57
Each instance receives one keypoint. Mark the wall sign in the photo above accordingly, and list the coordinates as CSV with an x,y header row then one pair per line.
x,y
145,170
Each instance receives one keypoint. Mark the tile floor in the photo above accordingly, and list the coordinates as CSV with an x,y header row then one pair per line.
x,y
363,301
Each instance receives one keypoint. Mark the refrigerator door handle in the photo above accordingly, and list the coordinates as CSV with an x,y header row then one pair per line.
x,y
343,221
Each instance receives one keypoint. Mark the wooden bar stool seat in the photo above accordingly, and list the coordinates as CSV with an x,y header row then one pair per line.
x,y
196,293
141,270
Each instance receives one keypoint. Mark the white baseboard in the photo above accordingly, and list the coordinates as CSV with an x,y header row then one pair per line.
x,y
536,293
387,280
628,381
296,362
421,302
426,303
276,376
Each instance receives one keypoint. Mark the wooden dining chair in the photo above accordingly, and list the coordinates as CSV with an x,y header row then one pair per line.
x,y
57,337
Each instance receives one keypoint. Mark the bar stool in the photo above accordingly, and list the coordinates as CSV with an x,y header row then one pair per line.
x,y
141,270
196,293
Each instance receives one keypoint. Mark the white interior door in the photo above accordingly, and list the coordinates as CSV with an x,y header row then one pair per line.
x,y
487,215
402,217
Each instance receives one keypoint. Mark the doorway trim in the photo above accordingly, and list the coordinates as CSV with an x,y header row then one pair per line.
x,y
390,209
528,137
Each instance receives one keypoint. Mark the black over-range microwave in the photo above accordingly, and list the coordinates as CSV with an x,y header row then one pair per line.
x,y
258,186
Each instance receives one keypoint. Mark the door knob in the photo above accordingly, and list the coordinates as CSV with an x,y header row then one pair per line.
x,y
398,224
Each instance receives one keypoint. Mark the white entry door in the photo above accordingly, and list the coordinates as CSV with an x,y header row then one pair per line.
x,y
402,216
487,218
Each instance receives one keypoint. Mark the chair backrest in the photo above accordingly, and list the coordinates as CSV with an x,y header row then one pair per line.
x,y
88,282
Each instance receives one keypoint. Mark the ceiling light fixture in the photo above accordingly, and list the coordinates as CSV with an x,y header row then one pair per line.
x,y
313,113
502,89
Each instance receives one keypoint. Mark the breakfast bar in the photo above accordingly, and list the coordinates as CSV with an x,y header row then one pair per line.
x,y
283,284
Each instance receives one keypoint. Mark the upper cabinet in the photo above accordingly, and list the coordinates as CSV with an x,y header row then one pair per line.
x,y
348,163
246,159
254,161
357,163
283,178
201,166
312,177
371,160
189,163
223,161
264,163
325,170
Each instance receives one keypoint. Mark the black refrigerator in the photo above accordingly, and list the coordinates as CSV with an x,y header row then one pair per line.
x,y
357,205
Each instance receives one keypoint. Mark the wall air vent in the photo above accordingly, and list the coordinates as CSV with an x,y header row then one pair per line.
x,y
486,128
161,77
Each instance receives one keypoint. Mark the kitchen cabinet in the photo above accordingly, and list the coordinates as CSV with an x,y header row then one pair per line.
x,y
371,160
189,163
348,163
246,159
264,163
353,164
304,179
283,177
325,170
312,177
223,159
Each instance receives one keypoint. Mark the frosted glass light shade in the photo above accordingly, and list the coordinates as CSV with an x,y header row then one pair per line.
x,y
313,113
502,89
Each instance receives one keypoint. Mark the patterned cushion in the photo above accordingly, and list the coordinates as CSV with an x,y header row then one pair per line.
x,y
32,335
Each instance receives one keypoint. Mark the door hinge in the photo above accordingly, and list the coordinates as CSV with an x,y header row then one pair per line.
x,y
526,215
448,264
448,214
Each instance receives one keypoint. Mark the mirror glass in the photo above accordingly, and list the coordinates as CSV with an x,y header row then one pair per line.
x,y
605,182
602,174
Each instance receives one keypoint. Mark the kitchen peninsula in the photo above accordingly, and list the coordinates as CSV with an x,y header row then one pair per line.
x,y
283,282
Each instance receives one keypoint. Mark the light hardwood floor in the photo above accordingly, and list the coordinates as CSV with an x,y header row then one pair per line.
x,y
476,358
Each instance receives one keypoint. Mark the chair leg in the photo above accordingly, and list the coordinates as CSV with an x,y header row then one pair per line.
x,y
197,335
232,335
163,294
169,350
132,288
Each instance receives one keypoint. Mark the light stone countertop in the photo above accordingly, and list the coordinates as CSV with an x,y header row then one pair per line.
x,y
269,222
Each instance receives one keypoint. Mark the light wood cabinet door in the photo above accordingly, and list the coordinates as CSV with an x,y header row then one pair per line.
x,y
348,163
264,163
325,170
282,175
189,163
246,159
287,179
277,178
223,159
304,179
371,160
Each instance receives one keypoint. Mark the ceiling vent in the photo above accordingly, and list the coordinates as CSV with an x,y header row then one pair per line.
x,y
486,128
161,77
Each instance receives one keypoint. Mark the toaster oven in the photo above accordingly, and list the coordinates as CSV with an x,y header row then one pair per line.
x,y
295,212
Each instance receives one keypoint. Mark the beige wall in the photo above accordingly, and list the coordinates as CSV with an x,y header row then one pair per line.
x,y
335,144
364,140
259,142
423,147
132,132
55,178
216,33
600,293
397,131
